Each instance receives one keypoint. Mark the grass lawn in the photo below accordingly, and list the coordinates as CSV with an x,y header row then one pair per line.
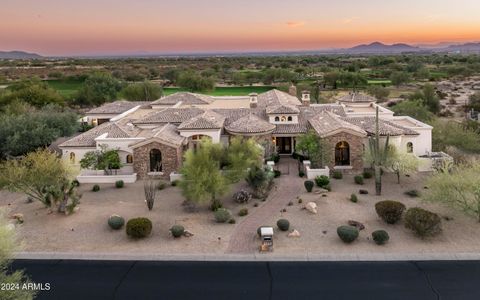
x,y
65,88
226,91
380,81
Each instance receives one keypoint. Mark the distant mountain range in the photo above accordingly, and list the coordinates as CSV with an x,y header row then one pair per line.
x,y
374,48
18,55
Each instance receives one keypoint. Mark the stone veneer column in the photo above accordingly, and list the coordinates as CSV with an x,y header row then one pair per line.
x,y
356,149
171,159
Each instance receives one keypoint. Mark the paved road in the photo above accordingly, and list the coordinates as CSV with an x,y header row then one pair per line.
x,y
74,279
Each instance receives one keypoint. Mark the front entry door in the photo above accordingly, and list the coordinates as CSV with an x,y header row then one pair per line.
x,y
284,145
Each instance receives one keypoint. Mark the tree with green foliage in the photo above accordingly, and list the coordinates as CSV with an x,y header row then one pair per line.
x,y
42,176
430,98
144,91
194,82
401,162
32,91
202,179
414,109
104,159
474,102
453,134
457,187
242,154
399,78
353,79
8,246
331,79
314,148
379,92
97,89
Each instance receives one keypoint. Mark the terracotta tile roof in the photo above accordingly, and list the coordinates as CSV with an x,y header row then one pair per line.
x,y
117,107
250,124
87,139
169,134
185,98
276,97
170,115
282,109
356,97
327,123
385,127
208,120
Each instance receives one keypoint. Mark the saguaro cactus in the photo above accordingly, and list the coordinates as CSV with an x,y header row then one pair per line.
x,y
379,155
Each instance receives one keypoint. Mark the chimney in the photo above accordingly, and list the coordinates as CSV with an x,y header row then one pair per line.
x,y
306,98
292,90
253,100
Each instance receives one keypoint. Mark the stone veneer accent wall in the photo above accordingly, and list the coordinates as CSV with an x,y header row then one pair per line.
x,y
171,159
356,149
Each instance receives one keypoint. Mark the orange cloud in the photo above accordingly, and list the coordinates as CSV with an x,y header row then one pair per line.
x,y
295,23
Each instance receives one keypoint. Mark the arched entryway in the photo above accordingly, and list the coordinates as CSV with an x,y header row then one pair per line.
x,y
155,160
342,154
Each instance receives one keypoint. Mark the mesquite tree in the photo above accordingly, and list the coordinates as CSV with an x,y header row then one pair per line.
x,y
378,154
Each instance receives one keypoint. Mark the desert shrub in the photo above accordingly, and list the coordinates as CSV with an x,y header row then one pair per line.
x,y
380,237
242,196
232,221
327,187
76,183
367,174
243,212
412,193
215,205
308,185
119,184
322,181
139,227
174,183
363,192
290,203
358,179
177,230
347,234
275,158
277,173
390,211
422,222
95,188
161,185
301,173
353,198
222,215
116,222
283,224
300,200
337,174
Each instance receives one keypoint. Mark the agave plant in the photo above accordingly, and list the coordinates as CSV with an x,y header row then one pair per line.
x,y
378,155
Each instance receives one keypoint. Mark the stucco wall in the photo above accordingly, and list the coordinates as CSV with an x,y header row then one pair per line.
x,y
171,159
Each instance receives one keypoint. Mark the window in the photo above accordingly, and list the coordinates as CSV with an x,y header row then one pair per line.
x,y
129,159
155,160
409,147
342,154
72,157
289,119
277,119
283,119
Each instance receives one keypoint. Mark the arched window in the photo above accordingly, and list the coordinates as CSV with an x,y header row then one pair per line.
x,y
72,157
409,147
289,119
129,159
342,154
283,119
155,160
277,119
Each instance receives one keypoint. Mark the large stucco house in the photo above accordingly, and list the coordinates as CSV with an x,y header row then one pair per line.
x,y
152,137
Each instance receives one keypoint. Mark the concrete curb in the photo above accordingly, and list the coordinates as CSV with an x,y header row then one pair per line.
x,y
248,257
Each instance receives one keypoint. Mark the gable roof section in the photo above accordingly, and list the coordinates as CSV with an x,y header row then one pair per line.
x,y
208,120
185,98
117,107
357,98
171,115
166,135
282,109
276,97
250,124
87,139
385,127
327,123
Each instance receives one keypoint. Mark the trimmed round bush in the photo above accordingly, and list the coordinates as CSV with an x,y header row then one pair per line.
x,y
283,224
116,222
337,174
423,222
301,173
95,188
243,212
390,211
277,173
328,187
347,234
308,185
358,179
222,215
367,174
139,227
177,231
322,181
380,237
119,184
353,198
232,221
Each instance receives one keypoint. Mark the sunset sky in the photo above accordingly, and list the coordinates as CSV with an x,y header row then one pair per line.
x,y
99,27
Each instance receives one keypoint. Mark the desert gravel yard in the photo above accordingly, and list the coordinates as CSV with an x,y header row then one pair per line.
x,y
87,229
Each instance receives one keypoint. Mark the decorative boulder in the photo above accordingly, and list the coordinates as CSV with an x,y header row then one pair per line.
x,y
187,233
356,224
294,233
311,207
18,217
